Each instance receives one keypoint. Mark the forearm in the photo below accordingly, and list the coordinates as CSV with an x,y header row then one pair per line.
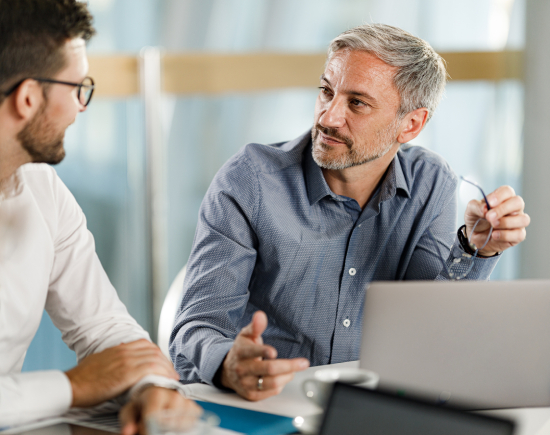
x,y
198,356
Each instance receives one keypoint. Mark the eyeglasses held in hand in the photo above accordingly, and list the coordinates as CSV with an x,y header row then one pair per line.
x,y
462,266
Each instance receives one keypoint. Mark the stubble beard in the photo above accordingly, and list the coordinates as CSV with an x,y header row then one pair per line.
x,y
355,156
41,140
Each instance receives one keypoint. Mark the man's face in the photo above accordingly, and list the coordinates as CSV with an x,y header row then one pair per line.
x,y
42,137
355,113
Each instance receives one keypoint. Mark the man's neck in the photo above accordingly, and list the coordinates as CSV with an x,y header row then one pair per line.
x,y
359,182
11,158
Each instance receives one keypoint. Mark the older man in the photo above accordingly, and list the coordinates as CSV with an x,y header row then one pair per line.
x,y
298,229
47,256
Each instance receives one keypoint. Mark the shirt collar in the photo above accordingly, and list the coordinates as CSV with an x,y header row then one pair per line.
x,y
394,180
317,187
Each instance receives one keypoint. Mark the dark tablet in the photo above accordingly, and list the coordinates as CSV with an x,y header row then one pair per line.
x,y
354,410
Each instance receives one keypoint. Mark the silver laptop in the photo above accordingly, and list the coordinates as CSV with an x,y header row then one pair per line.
x,y
480,345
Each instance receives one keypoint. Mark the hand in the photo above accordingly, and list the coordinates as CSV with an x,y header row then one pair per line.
x,y
107,374
133,416
249,359
506,216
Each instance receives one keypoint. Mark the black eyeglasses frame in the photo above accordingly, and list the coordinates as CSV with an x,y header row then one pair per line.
x,y
59,82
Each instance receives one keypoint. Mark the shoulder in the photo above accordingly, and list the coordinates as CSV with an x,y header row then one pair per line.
x,y
422,165
271,157
255,159
53,198
43,182
35,174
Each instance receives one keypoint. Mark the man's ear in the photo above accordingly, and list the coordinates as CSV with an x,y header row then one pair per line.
x,y
27,99
412,124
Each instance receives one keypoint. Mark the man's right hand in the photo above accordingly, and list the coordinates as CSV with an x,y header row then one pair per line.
x,y
249,359
107,374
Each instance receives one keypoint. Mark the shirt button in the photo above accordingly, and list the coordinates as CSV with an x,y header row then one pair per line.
x,y
352,271
346,323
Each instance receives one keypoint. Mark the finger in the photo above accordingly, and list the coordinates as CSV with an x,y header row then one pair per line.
x,y
248,351
268,383
259,323
510,206
256,327
129,417
153,400
142,343
476,208
505,238
278,366
147,355
152,361
500,195
511,222
150,368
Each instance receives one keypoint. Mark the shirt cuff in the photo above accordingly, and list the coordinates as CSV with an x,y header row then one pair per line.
x,y
465,266
25,397
211,364
154,381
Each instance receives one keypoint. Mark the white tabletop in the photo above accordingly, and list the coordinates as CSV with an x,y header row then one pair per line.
x,y
292,403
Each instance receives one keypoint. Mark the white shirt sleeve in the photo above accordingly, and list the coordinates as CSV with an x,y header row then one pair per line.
x,y
81,300
71,285
34,395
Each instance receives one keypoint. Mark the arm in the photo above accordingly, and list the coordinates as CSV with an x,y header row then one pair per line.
x,y
218,274
84,305
439,242
214,306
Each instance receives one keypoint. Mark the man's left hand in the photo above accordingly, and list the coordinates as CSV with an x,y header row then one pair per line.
x,y
133,416
506,216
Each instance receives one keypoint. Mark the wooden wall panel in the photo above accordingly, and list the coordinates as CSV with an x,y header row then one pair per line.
x,y
118,76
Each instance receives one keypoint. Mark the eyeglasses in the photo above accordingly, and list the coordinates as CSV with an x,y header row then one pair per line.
x,y
84,91
462,266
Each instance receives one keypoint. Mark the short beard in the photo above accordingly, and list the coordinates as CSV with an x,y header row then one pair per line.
x,y
355,156
40,139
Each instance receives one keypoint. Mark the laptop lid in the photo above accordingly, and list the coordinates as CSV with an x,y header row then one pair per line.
x,y
354,410
477,344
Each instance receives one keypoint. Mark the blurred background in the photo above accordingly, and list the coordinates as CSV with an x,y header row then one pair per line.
x,y
142,156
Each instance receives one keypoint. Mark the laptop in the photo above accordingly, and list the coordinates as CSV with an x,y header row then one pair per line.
x,y
354,410
475,344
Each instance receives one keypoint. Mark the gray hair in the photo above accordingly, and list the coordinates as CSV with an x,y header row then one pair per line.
x,y
421,74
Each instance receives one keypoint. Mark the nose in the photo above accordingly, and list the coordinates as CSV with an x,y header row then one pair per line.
x,y
334,114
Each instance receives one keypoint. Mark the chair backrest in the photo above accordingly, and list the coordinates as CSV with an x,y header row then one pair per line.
x,y
169,310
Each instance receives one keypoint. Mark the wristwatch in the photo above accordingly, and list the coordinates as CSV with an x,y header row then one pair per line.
x,y
463,240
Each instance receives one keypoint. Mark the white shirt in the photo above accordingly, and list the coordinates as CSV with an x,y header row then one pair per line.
x,y
48,260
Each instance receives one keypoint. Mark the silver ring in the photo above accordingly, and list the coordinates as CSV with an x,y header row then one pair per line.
x,y
260,384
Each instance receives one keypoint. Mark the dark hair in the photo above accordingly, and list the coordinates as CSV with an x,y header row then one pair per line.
x,y
33,34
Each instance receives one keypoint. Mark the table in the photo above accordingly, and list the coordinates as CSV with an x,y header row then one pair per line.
x,y
292,403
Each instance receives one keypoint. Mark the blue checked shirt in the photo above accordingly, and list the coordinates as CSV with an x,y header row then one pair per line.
x,y
272,236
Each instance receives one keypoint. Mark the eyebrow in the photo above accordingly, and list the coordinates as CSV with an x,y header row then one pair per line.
x,y
355,93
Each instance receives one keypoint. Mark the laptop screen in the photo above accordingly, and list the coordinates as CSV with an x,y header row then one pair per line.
x,y
354,410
